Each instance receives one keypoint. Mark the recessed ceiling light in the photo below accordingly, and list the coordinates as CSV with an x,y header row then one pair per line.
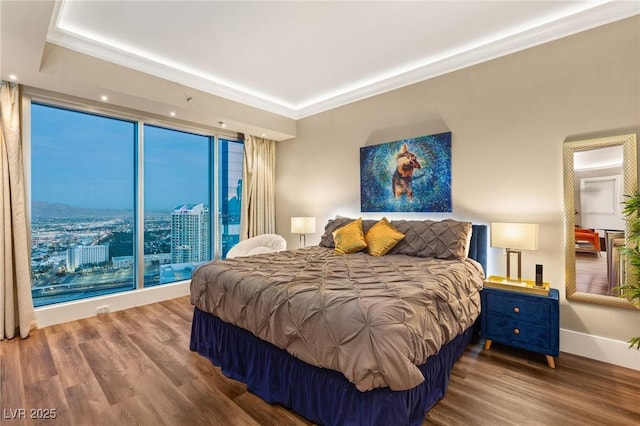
x,y
221,124
264,134
13,77
173,114
104,98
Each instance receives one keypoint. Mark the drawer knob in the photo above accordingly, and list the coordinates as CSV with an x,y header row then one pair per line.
x,y
516,331
516,310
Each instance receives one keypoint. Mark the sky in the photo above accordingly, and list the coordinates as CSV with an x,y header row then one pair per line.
x,y
85,160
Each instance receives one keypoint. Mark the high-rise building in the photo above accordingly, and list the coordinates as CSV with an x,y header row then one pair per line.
x,y
87,255
190,233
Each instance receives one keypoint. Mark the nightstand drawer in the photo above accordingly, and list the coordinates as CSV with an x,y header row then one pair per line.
x,y
523,320
518,333
528,308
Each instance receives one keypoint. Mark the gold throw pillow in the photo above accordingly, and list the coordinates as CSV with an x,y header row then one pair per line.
x,y
349,238
382,237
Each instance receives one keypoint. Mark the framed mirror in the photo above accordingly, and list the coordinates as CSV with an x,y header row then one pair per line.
x,y
597,175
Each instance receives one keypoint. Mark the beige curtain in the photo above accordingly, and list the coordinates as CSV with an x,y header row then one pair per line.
x,y
258,214
16,305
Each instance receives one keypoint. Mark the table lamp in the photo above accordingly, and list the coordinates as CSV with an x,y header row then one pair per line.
x,y
514,237
303,226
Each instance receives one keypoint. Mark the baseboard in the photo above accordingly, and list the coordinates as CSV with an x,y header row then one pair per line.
x,y
599,348
85,308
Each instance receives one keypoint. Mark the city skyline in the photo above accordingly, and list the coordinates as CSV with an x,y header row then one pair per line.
x,y
85,180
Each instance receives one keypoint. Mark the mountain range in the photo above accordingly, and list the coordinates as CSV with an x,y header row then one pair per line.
x,y
42,209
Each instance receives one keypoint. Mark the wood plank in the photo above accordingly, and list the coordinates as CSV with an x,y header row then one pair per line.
x,y
134,367
89,404
85,329
164,360
45,399
128,319
215,405
136,411
159,322
35,357
269,414
67,357
159,393
11,382
108,371
181,307
123,349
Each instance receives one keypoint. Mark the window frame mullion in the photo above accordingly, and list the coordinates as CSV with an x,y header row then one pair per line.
x,y
139,205
214,215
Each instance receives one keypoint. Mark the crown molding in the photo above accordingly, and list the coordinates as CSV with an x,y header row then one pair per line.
x,y
590,15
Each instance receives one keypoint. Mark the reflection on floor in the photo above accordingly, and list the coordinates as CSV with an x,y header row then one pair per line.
x,y
591,273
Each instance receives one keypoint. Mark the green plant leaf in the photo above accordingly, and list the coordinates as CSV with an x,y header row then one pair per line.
x,y
632,255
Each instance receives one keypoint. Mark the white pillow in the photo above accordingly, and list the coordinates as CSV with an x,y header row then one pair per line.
x,y
259,250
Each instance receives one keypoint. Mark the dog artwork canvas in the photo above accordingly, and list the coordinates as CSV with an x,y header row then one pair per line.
x,y
409,175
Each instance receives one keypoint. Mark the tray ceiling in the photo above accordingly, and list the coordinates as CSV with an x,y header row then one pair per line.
x,y
300,58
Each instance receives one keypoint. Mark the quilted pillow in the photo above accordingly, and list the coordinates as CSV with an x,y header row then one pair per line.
x,y
349,238
382,237
446,239
327,237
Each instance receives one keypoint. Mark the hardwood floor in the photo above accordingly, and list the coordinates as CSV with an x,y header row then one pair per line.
x,y
134,367
591,273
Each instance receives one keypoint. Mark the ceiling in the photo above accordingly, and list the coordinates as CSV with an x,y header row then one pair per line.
x,y
296,59
600,158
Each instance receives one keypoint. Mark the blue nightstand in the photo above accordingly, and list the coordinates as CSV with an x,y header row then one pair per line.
x,y
523,320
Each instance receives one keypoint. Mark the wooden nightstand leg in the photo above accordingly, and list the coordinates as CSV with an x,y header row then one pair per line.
x,y
551,361
487,344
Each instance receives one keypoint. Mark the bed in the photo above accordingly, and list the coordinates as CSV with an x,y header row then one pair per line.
x,y
346,339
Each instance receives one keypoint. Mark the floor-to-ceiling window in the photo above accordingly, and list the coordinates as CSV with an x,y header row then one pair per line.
x,y
176,204
82,204
88,170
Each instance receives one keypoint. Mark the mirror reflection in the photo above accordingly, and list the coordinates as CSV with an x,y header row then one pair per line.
x,y
597,174
599,223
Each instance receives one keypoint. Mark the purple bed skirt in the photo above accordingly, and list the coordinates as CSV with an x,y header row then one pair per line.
x,y
321,395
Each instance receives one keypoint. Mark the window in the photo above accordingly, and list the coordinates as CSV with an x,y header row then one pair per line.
x,y
176,204
85,179
82,204
230,179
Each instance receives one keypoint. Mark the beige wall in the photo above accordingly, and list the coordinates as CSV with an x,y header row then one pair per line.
x,y
508,118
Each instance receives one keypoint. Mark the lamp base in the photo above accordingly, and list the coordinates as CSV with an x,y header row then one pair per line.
x,y
519,254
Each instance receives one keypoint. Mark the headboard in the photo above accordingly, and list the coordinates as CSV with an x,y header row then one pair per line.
x,y
478,246
420,233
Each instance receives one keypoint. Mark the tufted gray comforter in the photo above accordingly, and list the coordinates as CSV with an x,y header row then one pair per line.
x,y
372,318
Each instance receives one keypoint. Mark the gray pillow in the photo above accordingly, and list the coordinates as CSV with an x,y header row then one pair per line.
x,y
446,239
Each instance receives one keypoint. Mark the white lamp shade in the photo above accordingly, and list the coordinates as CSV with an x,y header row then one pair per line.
x,y
303,225
518,236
